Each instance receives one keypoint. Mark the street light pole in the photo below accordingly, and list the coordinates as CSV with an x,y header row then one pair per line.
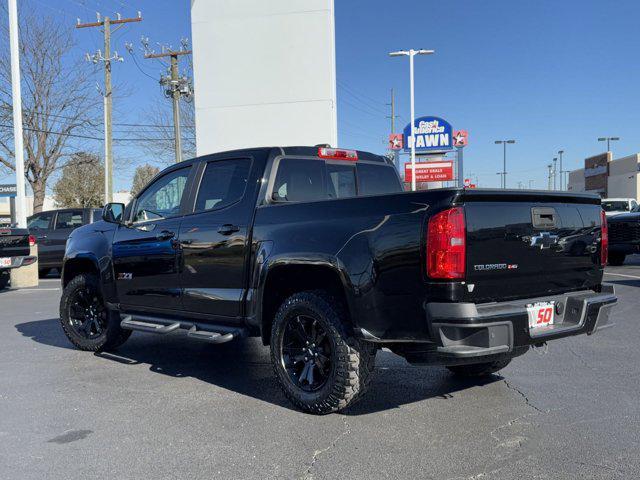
x,y
504,160
555,172
608,140
560,152
18,145
412,53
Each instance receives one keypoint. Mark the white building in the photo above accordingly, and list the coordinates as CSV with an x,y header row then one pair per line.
x,y
264,73
623,180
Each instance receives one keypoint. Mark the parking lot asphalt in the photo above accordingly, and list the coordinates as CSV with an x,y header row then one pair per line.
x,y
168,407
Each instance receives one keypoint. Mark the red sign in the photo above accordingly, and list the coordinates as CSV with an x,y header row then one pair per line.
x,y
460,138
430,171
395,141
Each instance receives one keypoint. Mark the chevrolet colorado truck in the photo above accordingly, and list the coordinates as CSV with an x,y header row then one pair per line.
x,y
15,251
321,253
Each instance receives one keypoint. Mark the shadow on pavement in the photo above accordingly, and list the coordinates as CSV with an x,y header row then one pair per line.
x,y
629,283
244,366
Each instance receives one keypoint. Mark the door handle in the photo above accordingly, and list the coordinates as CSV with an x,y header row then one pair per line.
x,y
165,235
228,229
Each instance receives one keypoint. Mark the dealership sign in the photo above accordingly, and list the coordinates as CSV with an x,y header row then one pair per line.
x,y
8,190
432,134
430,171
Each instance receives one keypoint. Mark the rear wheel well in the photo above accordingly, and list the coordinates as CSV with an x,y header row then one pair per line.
x,y
284,281
73,268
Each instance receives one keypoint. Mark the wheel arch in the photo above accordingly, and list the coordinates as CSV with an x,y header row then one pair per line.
x,y
284,279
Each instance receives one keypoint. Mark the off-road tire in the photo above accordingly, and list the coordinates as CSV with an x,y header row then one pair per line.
x,y
5,276
479,369
616,259
352,360
112,336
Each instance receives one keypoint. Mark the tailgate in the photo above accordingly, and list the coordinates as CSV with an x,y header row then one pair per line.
x,y
524,246
14,244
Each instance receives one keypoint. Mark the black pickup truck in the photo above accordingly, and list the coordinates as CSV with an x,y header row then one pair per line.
x,y
624,236
15,251
320,252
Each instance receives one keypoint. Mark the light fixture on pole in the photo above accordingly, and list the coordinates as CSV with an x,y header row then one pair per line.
x,y
504,160
412,53
608,140
18,145
560,152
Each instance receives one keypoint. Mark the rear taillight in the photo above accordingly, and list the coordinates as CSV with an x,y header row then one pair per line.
x,y
32,240
337,154
446,245
604,242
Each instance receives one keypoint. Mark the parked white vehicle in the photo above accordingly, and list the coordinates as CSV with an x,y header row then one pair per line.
x,y
615,206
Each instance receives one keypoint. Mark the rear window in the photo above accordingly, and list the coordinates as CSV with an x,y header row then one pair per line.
x,y
615,206
305,180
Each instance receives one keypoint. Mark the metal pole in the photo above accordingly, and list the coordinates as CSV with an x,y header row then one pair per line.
x,y
108,149
176,107
555,172
460,168
413,123
561,179
504,166
21,204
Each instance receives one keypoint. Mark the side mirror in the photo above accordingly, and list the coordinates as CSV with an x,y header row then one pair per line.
x,y
113,212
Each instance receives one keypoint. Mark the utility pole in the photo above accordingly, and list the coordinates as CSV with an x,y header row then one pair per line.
x,y
549,185
16,96
106,23
175,87
560,152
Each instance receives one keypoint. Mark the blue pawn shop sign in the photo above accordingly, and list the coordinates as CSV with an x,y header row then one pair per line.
x,y
433,134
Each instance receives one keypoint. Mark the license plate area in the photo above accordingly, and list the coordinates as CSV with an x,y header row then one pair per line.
x,y
541,316
5,262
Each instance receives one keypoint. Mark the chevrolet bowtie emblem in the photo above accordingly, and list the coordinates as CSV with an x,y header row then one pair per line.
x,y
544,240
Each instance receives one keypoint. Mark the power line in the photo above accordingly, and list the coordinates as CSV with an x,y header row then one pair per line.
x,y
88,137
361,97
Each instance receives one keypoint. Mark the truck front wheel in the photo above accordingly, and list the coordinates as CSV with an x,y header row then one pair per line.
x,y
85,319
320,366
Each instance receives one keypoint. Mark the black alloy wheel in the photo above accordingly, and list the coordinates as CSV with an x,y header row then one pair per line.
x,y
306,353
87,315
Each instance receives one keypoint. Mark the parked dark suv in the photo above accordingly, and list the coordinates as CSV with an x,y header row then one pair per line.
x,y
52,228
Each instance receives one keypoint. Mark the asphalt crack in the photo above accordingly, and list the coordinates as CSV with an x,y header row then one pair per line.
x,y
308,475
523,395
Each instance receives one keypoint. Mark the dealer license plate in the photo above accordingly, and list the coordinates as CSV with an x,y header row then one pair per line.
x,y
541,314
5,262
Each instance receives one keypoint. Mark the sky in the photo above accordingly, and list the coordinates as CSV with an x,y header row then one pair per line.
x,y
549,74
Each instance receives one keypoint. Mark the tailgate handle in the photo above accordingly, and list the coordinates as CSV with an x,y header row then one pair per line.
x,y
544,217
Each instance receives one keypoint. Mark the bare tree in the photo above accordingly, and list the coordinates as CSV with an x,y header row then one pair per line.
x,y
81,183
158,140
57,98
144,174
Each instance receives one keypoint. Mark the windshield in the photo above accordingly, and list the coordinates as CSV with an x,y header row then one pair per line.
x,y
615,206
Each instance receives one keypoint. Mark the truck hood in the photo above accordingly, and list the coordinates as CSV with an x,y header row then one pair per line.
x,y
624,217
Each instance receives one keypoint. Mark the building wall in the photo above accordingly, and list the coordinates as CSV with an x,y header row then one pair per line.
x,y
264,73
622,181
576,180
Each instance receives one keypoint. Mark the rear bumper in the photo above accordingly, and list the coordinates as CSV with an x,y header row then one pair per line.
x,y
467,332
17,262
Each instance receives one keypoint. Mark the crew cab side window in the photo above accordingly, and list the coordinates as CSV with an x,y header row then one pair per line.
x,y
304,180
162,199
223,183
